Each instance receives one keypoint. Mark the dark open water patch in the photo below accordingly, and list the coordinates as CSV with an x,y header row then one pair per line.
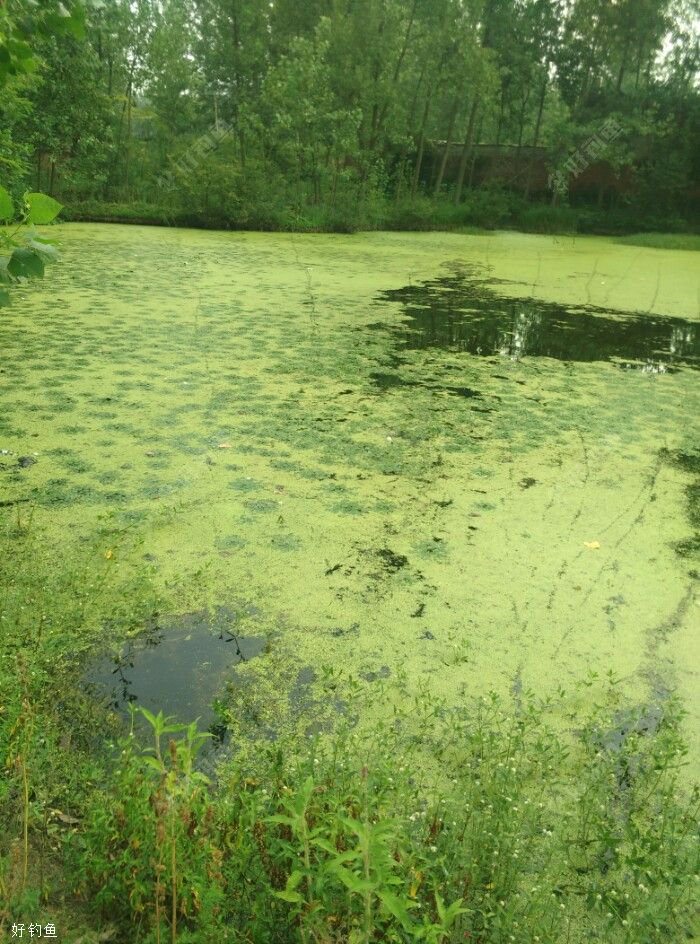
x,y
178,668
462,313
688,462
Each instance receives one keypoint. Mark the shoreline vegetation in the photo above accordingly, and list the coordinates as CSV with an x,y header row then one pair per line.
x,y
420,215
404,819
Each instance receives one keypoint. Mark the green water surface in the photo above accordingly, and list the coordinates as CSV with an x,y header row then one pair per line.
x,y
468,457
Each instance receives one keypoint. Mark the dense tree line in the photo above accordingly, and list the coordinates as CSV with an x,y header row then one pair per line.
x,y
346,112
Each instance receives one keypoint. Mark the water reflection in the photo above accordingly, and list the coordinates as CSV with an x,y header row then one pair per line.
x,y
463,313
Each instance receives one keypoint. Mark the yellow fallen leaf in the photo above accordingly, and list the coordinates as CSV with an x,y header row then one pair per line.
x,y
415,884
592,545
109,554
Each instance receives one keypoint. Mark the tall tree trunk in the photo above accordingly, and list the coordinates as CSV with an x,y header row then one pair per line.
x,y
466,148
123,115
127,157
638,69
403,160
536,137
501,109
421,146
448,144
472,163
379,117
623,67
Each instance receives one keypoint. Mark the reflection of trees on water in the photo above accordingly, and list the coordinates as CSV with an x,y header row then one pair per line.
x,y
516,342
683,340
465,314
682,347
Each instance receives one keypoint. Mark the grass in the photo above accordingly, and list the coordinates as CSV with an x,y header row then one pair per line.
x,y
406,819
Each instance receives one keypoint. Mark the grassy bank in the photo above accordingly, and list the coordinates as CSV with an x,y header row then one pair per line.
x,y
483,210
405,819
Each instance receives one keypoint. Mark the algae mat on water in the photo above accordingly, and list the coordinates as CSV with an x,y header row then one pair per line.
x,y
467,457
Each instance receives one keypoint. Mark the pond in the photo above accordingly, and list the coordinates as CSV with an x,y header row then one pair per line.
x,y
470,458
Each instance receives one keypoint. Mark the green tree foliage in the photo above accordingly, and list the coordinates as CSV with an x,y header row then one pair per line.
x,y
23,22
352,112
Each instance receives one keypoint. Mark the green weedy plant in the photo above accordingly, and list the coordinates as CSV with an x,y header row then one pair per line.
x,y
29,250
362,840
149,853
50,620
633,839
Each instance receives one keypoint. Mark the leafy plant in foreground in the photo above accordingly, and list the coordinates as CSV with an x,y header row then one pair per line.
x,y
431,823
29,250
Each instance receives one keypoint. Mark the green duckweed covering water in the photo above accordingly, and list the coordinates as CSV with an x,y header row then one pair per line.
x,y
263,409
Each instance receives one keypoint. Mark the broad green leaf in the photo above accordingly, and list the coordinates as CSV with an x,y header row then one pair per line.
x,y
293,897
152,762
45,248
324,844
19,49
448,915
151,718
7,209
284,820
354,882
42,208
395,907
26,263
294,880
